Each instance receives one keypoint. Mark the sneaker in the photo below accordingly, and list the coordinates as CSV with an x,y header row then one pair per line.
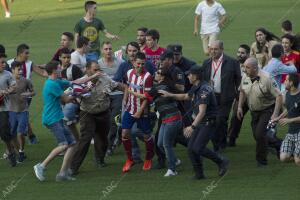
x,y
33,139
170,173
39,171
147,165
22,157
66,177
178,162
109,152
12,159
7,15
128,164
101,163
5,156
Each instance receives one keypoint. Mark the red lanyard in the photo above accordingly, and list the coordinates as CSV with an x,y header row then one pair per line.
x,y
219,63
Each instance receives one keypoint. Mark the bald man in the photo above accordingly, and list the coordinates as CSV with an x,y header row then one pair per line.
x,y
224,75
264,101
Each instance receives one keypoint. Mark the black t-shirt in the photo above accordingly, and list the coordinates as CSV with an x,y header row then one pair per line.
x,y
204,94
76,73
167,107
292,103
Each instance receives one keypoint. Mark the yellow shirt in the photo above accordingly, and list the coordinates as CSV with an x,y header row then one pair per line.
x,y
262,93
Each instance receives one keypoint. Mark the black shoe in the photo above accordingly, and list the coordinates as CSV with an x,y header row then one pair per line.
x,y
199,177
262,163
12,159
231,142
101,163
22,157
223,167
161,164
109,152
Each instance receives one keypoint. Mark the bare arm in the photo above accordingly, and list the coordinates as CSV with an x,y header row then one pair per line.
x,y
196,24
222,20
76,36
66,99
39,71
242,99
86,79
110,36
278,105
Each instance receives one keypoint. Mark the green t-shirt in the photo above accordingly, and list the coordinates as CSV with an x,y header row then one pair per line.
x,y
91,31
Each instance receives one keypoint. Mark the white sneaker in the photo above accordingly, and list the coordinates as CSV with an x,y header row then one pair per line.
x,y
7,14
92,141
170,173
39,171
178,162
5,156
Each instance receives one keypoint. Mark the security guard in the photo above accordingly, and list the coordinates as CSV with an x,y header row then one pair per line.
x,y
203,125
264,101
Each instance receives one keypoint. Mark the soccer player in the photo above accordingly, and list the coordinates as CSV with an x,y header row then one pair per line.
x,y
291,144
89,26
213,17
52,118
136,110
141,37
6,8
18,108
153,50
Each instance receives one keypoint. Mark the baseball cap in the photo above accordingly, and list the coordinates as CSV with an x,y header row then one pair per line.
x,y
176,48
195,69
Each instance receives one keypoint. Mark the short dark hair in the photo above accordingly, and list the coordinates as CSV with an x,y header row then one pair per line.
x,y
2,49
69,35
16,64
88,4
287,25
134,44
294,78
3,55
246,47
143,29
82,41
153,33
51,66
64,51
289,37
21,48
89,63
277,51
105,42
140,55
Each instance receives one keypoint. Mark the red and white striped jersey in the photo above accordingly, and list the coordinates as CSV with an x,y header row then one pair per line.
x,y
138,83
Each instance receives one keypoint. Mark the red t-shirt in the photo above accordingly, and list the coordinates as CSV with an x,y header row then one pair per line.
x,y
293,56
153,56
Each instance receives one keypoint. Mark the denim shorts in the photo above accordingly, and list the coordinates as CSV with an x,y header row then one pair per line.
x,y
62,133
143,123
71,111
18,123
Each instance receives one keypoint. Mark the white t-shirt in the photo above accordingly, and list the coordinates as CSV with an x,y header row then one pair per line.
x,y
209,16
78,60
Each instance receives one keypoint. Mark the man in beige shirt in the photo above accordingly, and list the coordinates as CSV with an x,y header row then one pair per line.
x,y
95,118
264,100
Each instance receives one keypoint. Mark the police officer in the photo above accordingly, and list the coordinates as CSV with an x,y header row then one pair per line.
x,y
264,101
203,125
181,62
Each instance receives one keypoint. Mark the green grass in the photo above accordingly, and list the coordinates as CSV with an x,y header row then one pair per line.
x,y
174,19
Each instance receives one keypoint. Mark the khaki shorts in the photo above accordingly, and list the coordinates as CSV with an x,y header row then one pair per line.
x,y
207,39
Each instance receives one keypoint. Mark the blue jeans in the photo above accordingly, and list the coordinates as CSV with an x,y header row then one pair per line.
x,y
18,123
92,56
136,133
62,133
71,112
166,138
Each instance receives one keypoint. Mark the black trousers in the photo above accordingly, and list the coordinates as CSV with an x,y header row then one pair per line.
x,y
5,127
95,126
197,147
219,139
259,124
235,123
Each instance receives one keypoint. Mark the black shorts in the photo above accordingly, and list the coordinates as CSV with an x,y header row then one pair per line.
x,y
4,126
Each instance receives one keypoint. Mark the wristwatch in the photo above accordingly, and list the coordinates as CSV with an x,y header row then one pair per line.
x,y
193,127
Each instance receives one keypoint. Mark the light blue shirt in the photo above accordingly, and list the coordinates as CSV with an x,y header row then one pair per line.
x,y
52,91
276,68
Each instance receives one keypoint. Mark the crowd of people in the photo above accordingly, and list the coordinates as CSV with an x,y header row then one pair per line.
x,y
156,95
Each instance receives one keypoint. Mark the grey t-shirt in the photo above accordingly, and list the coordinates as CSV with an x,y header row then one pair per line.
x,y
6,81
111,70
17,103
